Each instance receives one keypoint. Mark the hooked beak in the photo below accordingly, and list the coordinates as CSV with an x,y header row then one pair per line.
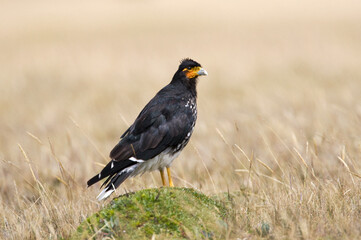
x,y
202,72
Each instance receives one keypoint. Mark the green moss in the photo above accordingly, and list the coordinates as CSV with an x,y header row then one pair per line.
x,y
175,213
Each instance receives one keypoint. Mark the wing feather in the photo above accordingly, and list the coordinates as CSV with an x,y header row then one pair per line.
x,y
157,128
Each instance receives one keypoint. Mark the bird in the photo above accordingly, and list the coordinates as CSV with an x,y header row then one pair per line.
x,y
159,133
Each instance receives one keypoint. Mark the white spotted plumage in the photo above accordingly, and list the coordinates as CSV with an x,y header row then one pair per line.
x,y
136,160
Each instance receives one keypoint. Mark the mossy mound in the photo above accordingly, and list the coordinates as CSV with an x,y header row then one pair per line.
x,y
167,213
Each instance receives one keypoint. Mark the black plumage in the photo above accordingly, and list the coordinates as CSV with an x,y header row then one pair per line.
x,y
159,133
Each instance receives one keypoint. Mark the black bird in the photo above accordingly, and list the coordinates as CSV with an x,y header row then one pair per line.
x,y
158,135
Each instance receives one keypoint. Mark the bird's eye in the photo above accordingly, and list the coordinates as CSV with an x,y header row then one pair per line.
x,y
187,69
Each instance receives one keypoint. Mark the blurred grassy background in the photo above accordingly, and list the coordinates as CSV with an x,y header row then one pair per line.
x,y
283,89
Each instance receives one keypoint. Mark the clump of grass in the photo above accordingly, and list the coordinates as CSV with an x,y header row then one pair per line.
x,y
163,212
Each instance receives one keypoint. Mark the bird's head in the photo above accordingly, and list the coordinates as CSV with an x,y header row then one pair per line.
x,y
191,69
188,73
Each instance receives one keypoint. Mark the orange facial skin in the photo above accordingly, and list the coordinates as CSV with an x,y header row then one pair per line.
x,y
191,73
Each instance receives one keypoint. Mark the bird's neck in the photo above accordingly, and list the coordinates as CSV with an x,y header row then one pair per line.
x,y
182,82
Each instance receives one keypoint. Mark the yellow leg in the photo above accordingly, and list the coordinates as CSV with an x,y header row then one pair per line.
x,y
162,176
169,178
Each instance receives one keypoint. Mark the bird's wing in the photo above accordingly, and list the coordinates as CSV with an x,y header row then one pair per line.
x,y
156,130
158,127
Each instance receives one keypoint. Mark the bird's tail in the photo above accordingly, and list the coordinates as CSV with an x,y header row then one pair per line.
x,y
114,182
117,172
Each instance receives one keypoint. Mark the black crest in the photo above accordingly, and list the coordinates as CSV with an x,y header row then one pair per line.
x,y
187,62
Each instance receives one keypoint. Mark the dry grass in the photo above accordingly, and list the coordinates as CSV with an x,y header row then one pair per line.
x,y
279,114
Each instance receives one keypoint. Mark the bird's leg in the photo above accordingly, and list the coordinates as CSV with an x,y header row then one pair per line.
x,y
169,178
162,176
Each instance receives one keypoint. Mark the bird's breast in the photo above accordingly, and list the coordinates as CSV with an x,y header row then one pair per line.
x,y
190,104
